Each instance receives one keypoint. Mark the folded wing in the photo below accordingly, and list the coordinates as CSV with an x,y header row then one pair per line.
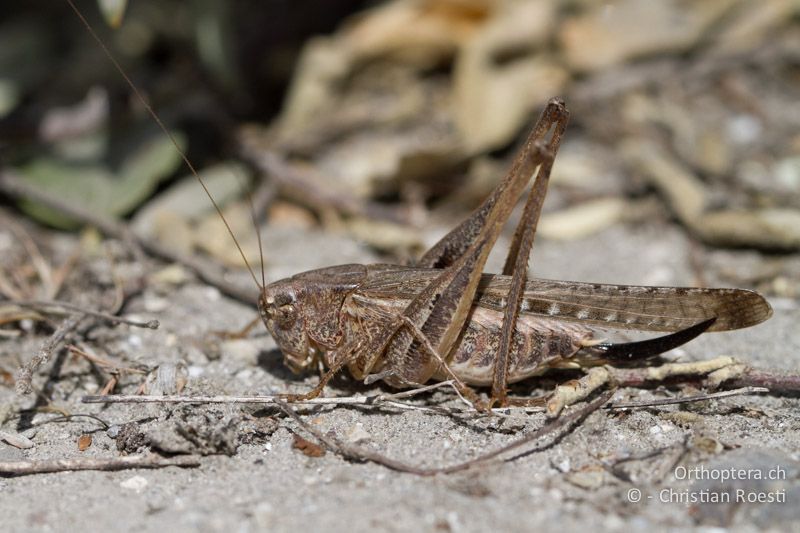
x,y
633,307
612,306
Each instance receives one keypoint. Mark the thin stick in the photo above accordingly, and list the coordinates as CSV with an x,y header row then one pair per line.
x,y
419,390
564,421
269,399
777,381
43,270
129,398
68,418
114,367
687,399
25,373
349,451
389,400
7,288
23,468
119,290
302,183
60,274
358,453
44,305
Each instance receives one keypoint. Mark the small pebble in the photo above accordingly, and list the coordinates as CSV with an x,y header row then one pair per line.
x,y
136,483
155,304
744,129
5,241
16,439
244,350
357,433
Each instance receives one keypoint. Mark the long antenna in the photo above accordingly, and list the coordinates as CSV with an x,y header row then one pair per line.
x,y
161,125
258,236
249,194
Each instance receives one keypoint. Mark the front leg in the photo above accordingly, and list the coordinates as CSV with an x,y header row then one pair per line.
x,y
367,331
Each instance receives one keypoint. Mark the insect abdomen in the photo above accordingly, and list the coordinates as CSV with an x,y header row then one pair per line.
x,y
537,342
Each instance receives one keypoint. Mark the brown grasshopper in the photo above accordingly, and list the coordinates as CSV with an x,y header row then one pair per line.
x,y
443,318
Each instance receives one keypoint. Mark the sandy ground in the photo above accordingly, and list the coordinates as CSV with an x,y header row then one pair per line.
x,y
679,453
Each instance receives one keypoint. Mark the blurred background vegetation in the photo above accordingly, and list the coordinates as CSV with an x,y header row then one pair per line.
x,y
377,118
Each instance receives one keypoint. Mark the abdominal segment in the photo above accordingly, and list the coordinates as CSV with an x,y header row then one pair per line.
x,y
537,343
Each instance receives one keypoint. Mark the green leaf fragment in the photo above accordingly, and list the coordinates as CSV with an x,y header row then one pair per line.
x,y
95,187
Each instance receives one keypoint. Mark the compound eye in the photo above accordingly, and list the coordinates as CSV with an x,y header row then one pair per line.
x,y
285,315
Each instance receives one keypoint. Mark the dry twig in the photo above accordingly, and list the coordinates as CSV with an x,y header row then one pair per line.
x,y
688,399
777,381
23,468
25,373
43,270
377,399
304,183
59,307
358,453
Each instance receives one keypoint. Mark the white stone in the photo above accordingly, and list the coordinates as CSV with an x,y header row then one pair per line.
x,y
135,483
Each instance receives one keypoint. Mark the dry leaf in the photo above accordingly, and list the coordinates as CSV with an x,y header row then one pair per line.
x,y
84,441
307,447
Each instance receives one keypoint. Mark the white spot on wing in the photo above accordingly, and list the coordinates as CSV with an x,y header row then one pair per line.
x,y
582,314
553,309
